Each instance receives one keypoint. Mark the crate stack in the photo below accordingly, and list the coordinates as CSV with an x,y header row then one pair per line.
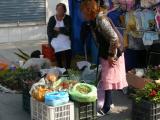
x,y
69,111
40,111
145,111
85,111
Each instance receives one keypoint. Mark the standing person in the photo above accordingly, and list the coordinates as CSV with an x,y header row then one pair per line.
x,y
110,43
59,34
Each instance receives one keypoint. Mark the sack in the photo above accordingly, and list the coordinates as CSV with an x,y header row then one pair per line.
x,y
83,92
48,52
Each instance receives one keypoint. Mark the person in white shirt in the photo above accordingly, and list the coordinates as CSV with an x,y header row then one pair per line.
x,y
59,35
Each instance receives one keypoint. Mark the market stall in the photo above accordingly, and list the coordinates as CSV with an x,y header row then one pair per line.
x,y
55,95
60,97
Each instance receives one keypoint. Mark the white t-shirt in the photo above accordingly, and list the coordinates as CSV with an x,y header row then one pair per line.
x,y
61,42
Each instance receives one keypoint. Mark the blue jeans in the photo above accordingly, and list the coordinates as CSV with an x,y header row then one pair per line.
x,y
108,100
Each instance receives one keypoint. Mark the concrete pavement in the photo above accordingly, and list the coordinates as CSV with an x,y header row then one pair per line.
x,y
11,107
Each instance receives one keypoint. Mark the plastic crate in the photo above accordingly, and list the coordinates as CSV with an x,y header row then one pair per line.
x,y
85,111
40,111
145,111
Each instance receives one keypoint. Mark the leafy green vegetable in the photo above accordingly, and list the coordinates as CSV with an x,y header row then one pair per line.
x,y
151,92
153,73
13,79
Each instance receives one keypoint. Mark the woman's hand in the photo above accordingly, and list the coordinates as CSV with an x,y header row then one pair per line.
x,y
111,61
57,29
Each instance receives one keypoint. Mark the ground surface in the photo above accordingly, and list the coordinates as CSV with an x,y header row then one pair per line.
x,y
11,108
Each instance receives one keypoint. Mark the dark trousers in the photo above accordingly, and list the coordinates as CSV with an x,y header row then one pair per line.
x,y
64,56
108,100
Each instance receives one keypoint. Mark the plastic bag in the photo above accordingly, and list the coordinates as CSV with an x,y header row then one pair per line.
x,y
4,64
127,4
37,63
101,96
44,82
48,52
56,70
83,92
148,3
157,17
88,75
56,98
39,93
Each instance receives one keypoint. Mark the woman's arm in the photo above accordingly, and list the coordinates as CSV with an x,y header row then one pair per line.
x,y
50,29
109,32
67,26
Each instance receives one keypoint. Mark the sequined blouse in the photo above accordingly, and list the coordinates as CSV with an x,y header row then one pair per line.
x,y
108,38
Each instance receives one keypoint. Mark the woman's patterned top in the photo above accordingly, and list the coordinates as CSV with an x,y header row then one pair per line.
x,y
106,28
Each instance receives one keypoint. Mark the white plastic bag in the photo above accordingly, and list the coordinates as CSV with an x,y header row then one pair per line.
x,y
39,63
56,70
88,75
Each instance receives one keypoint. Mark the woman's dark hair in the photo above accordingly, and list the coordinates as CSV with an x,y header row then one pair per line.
x,y
62,5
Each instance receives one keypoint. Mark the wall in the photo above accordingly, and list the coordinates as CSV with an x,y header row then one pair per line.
x,y
13,33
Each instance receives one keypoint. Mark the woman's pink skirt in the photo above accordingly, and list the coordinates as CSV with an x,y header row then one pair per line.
x,y
113,77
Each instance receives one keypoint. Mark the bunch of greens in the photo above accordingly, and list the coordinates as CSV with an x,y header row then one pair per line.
x,y
153,73
74,74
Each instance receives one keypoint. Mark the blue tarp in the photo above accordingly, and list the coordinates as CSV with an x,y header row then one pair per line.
x,y
77,21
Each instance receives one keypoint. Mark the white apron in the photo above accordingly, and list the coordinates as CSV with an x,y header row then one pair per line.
x,y
61,42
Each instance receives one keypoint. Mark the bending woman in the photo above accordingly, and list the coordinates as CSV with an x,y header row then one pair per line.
x,y
110,43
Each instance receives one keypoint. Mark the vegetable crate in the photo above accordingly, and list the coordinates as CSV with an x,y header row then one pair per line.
x,y
145,111
85,111
40,111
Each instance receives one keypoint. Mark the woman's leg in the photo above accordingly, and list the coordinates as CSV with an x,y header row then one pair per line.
x,y
59,59
68,58
108,101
